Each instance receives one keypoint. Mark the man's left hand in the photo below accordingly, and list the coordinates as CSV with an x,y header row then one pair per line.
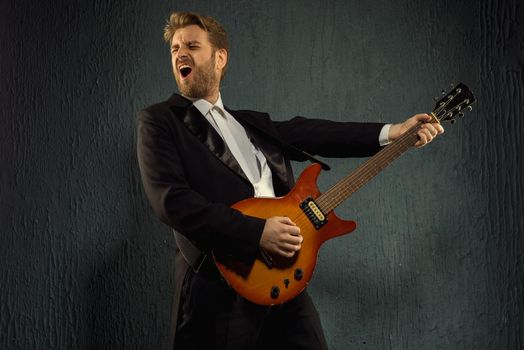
x,y
426,134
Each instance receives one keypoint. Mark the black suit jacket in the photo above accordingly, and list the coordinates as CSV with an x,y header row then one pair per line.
x,y
191,178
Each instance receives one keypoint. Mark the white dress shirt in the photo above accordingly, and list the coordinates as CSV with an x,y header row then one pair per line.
x,y
251,159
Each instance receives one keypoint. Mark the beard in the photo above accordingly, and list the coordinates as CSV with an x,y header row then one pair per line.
x,y
202,82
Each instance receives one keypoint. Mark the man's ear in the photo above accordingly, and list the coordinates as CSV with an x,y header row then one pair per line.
x,y
221,58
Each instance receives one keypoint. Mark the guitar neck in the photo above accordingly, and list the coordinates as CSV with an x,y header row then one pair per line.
x,y
343,189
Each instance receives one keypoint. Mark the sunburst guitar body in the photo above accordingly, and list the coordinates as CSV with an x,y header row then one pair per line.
x,y
274,280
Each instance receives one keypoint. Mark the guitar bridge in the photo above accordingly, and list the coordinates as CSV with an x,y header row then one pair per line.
x,y
313,213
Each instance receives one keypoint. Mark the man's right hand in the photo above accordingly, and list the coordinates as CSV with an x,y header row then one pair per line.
x,y
281,237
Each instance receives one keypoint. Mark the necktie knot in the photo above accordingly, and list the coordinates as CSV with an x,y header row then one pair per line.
x,y
219,111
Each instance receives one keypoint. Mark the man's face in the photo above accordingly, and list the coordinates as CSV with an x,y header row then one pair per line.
x,y
196,64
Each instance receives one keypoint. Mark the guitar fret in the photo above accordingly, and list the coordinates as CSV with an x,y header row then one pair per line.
x,y
366,171
446,108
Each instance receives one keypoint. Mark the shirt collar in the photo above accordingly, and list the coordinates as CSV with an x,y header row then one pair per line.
x,y
204,106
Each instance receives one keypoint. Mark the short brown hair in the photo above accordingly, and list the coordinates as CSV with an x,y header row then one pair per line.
x,y
217,34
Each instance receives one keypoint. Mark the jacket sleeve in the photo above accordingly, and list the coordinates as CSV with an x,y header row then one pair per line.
x,y
209,225
331,139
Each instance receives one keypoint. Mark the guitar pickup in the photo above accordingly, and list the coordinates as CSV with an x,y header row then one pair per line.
x,y
313,213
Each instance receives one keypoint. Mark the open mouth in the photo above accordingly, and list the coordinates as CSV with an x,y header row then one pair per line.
x,y
185,70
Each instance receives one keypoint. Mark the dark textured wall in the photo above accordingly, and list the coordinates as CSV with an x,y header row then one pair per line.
x,y
436,262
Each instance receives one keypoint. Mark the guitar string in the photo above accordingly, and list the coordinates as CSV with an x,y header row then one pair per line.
x,y
301,218
360,174
364,172
368,169
363,168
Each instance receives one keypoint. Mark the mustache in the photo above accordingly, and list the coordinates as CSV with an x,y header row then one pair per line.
x,y
184,61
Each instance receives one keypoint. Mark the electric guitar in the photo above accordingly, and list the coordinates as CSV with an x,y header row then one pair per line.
x,y
274,280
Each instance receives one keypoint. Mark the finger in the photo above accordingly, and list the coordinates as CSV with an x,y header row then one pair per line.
x,y
286,220
286,254
290,227
426,134
424,117
290,239
431,130
434,129
293,230
422,139
290,247
422,136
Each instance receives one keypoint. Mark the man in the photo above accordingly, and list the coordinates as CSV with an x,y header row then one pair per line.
x,y
197,158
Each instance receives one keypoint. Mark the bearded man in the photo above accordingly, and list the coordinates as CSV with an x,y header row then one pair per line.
x,y
198,157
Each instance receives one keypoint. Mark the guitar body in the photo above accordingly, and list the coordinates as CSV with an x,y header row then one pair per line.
x,y
276,283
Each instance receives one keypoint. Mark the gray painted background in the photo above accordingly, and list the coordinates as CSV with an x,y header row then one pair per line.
x,y
436,262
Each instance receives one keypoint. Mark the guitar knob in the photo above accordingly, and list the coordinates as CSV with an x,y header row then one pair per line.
x,y
299,274
275,292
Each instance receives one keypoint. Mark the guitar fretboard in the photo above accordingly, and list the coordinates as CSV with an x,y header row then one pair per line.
x,y
343,189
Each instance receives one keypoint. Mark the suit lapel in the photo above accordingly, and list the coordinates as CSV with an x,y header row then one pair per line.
x,y
198,125
274,157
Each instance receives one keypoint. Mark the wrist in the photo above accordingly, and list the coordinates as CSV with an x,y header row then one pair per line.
x,y
394,132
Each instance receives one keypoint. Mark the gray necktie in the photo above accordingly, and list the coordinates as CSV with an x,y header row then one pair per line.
x,y
236,139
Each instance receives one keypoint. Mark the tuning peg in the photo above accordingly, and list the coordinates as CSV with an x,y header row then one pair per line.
x,y
451,86
443,92
436,98
452,121
461,115
470,108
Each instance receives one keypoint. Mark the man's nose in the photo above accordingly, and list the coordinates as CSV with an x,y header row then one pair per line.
x,y
181,53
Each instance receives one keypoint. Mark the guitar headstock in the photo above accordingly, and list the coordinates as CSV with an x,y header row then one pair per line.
x,y
454,103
